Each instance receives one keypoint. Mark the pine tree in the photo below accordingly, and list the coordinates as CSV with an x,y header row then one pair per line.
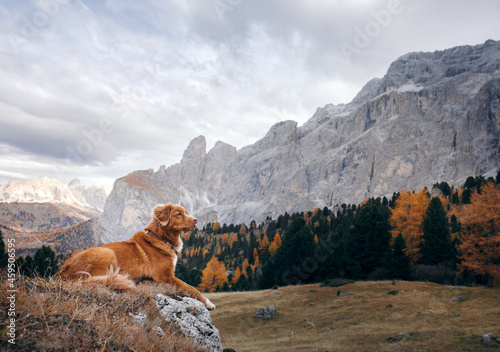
x,y
287,265
436,246
45,262
369,241
398,264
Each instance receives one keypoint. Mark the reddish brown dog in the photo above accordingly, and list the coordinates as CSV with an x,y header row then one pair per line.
x,y
148,254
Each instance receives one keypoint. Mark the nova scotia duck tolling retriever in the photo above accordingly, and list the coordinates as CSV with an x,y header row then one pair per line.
x,y
150,254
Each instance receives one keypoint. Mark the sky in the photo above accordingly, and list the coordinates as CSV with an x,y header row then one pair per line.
x,y
96,89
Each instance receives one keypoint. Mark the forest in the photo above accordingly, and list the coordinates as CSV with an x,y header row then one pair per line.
x,y
445,235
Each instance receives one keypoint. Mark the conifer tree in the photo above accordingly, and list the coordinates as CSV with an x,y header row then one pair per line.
x,y
436,246
215,274
480,248
406,219
286,266
45,262
398,264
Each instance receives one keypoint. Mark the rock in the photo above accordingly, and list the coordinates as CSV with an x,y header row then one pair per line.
x,y
433,117
192,318
399,337
265,313
455,314
312,304
458,299
487,338
351,294
139,317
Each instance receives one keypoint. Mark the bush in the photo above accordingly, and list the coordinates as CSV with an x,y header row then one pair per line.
x,y
337,282
440,273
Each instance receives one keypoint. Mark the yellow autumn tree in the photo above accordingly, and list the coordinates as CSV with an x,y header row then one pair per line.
x,y
225,240
263,244
407,218
480,247
215,226
236,276
205,252
243,229
244,267
275,244
215,274
232,239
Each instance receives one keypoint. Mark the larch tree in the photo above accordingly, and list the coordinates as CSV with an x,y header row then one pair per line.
x,y
215,274
263,244
407,219
480,247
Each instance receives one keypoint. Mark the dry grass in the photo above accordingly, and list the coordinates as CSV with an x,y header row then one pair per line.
x,y
366,321
55,315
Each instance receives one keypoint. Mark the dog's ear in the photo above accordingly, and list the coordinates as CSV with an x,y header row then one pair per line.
x,y
163,213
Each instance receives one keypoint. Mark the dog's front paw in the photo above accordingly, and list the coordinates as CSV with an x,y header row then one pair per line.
x,y
209,305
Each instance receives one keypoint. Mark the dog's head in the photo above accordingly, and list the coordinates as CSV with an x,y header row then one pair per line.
x,y
173,218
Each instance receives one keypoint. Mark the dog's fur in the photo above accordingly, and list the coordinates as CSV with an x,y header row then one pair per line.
x,y
148,254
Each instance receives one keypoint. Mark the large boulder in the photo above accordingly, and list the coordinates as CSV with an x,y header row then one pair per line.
x,y
192,318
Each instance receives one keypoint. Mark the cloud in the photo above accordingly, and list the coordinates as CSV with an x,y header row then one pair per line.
x,y
98,89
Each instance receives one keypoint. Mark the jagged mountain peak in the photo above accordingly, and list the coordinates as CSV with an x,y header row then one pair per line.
x,y
433,117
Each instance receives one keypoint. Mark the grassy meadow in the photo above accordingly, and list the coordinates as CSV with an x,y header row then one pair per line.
x,y
314,318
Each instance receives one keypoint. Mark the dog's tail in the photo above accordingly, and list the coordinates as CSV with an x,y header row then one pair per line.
x,y
112,279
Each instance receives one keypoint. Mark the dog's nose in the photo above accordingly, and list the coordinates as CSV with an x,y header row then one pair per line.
x,y
195,220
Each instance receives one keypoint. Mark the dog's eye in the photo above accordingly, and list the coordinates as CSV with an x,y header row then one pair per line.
x,y
179,214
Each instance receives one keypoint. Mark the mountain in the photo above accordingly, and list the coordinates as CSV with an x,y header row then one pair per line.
x,y
47,190
47,212
433,117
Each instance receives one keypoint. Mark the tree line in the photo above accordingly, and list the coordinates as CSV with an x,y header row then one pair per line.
x,y
451,236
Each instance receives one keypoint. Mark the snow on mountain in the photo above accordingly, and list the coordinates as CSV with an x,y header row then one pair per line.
x,y
48,190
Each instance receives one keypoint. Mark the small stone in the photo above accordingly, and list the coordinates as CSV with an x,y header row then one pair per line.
x,y
312,304
265,313
455,314
333,307
458,299
351,294
487,338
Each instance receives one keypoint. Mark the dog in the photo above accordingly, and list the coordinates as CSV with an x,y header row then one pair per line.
x,y
149,254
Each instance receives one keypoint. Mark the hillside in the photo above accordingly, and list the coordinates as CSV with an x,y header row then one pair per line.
x,y
432,117
314,318
65,227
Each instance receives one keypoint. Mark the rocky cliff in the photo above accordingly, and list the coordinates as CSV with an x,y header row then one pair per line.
x,y
433,117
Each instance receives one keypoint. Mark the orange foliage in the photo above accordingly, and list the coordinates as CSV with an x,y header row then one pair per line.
x,y
215,274
480,246
407,218
236,276
273,247
263,244
244,267
225,239
233,238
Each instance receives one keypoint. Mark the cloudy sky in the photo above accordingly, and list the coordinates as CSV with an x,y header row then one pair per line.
x,y
96,89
